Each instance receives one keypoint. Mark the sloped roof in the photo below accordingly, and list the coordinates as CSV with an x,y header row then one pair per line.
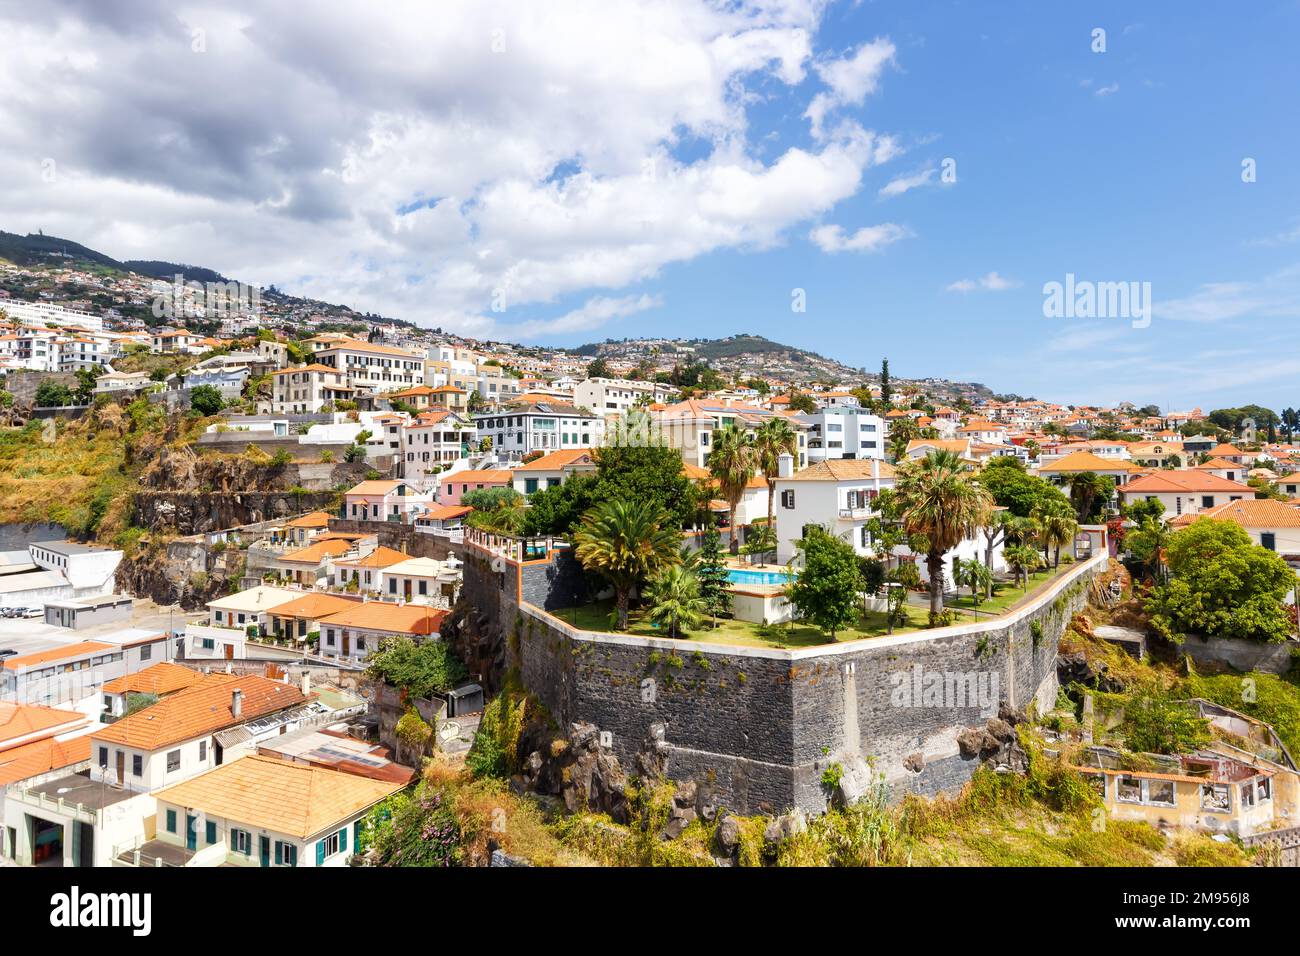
x,y
41,756
161,679
1250,513
555,460
199,710
386,616
279,795
1183,481
22,720
843,469
1085,461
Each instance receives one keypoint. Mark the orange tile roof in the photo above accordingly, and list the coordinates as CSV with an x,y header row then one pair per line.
x,y
386,616
843,469
42,756
376,487
695,472
23,720
958,446
486,476
161,679
443,512
1183,481
381,557
1086,461
315,553
313,606
559,459
1219,464
313,367
315,519
283,796
55,654
1250,513
200,710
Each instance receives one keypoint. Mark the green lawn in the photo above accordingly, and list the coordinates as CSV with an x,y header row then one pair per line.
x,y
1008,595
596,617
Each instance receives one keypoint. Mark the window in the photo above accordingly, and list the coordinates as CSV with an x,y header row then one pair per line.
x,y
173,761
146,652
210,833
137,765
1207,501
1160,792
787,499
203,750
286,854
241,841
171,821
1268,540
1128,789
1216,798
334,843
103,757
392,585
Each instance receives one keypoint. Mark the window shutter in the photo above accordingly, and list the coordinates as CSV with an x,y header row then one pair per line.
x,y
320,852
343,840
210,832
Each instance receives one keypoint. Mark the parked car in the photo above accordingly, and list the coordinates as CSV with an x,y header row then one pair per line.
x,y
33,612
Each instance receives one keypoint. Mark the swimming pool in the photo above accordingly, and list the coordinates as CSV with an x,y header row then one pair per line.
x,y
741,576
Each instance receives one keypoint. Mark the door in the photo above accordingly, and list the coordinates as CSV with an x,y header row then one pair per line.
x,y
264,850
347,643
230,652
191,833
121,768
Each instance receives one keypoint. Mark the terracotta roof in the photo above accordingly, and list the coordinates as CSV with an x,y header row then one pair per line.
x,y
22,720
161,679
42,756
843,469
443,512
1225,449
378,487
1219,464
356,345
1183,481
314,367
316,519
1086,461
313,606
381,557
283,796
55,654
199,710
958,446
695,472
559,459
1250,513
315,553
386,616
486,476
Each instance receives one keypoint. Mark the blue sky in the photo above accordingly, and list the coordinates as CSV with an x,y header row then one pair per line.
x,y
563,172
1115,166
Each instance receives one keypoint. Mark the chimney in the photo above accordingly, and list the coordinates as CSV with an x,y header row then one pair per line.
x,y
785,465
237,703
306,683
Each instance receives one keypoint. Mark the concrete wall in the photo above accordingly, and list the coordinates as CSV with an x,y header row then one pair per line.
x,y
759,725
1241,655
400,537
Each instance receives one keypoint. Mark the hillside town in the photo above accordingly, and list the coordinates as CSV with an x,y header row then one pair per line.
x,y
201,680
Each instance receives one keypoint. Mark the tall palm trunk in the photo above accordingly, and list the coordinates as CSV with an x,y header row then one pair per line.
x,y
934,564
623,597
733,544
771,494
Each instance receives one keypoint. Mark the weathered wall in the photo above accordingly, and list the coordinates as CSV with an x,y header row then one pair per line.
x,y
759,725
400,537
1240,655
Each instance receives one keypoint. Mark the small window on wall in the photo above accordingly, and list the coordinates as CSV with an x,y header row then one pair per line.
x,y
173,761
1128,789
1216,798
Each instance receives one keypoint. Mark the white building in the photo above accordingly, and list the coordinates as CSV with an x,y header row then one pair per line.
x,y
544,426
844,431
605,396
835,493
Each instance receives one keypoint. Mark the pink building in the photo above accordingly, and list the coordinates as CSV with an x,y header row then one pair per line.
x,y
458,483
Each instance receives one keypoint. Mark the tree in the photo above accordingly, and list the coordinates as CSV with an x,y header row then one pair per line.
x,y
675,600
475,402
939,499
974,574
206,400
1221,584
774,438
499,510
1015,489
626,541
52,394
1147,544
599,368
802,402
886,387
1089,489
711,572
732,465
419,668
826,589
557,510
1023,559
1054,526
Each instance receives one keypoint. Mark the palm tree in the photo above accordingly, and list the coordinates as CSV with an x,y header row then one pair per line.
x,y
940,501
775,437
626,542
1022,559
1148,544
675,600
1084,488
1056,527
974,574
732,465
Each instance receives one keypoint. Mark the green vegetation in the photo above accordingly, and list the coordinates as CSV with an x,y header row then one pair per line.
x,y
826,590
417,669
627,541
1222,584
206,400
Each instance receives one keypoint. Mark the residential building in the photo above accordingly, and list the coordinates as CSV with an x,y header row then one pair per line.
x,y
844,431
307,389
385,500
605,396
551,470
837,493
160,680
455,485
359,629
1184,492
373,367
523,429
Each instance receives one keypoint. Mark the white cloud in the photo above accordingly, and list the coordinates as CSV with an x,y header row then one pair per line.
x,y
834,239
901,184
388,158
987,283
849,80
1106,90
